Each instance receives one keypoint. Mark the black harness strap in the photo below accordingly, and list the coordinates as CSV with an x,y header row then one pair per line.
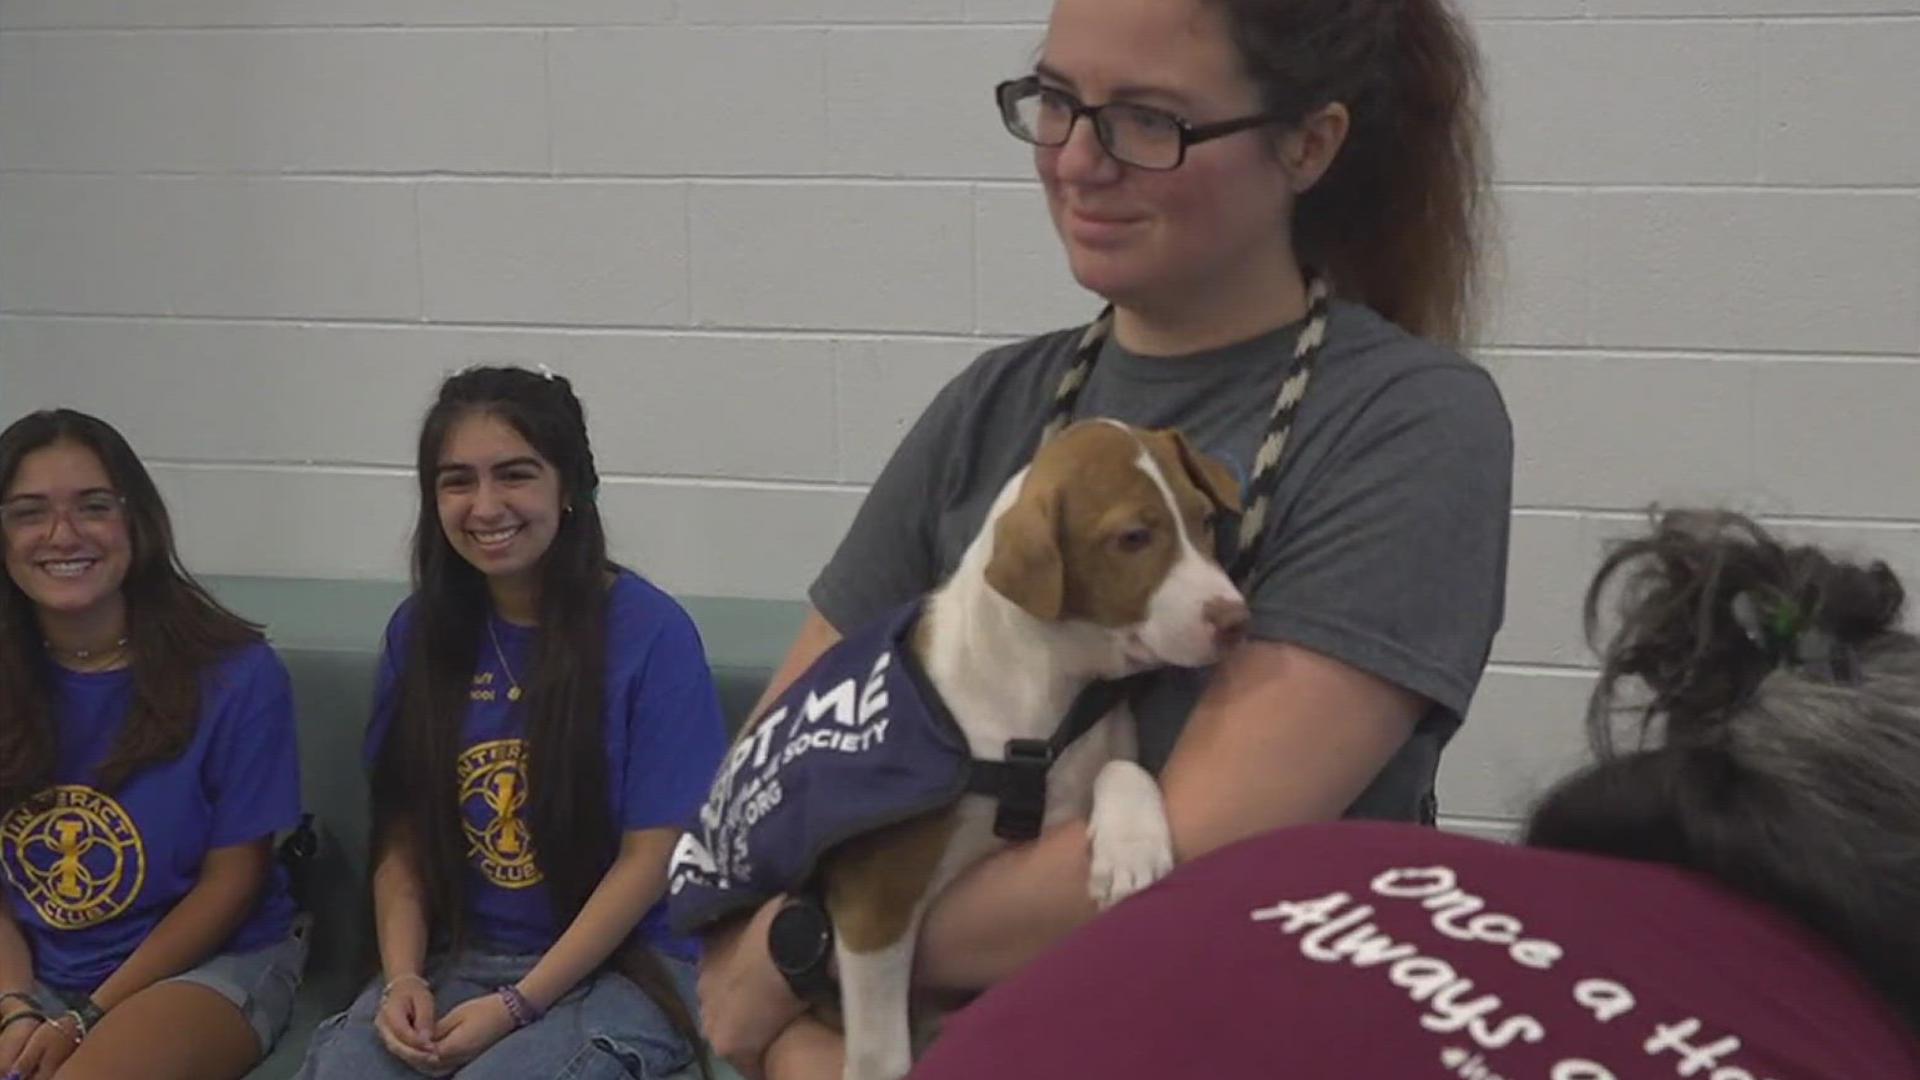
x,y
1020,781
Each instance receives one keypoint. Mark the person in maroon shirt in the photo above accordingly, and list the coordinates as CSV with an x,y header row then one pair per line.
x,y
1728,893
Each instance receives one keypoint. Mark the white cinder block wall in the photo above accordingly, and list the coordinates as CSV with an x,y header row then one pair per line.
x,y
759,233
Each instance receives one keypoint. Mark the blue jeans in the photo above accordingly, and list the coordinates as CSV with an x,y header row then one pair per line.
x,y
603,1029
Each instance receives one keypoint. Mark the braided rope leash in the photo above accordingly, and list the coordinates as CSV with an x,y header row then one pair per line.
x,y
1266,463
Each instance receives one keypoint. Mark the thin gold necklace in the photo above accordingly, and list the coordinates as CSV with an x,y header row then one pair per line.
x,y
513,684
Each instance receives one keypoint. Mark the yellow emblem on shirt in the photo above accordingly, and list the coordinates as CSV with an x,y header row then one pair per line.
x,y
493,796
74,854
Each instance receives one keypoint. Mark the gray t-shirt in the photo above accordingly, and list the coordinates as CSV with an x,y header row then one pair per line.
x,y
1386,546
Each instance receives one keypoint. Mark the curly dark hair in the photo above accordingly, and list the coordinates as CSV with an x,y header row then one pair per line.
x,y
1773,742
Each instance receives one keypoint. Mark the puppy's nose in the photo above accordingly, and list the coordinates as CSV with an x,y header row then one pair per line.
x,y
1228,617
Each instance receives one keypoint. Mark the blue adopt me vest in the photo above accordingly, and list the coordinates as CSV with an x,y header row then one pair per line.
x,y
857,743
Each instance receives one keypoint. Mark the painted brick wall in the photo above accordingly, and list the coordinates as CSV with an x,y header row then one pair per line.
x,y
760,233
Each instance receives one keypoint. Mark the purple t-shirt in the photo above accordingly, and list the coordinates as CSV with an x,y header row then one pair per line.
x,y
90,873
664,738
1373,950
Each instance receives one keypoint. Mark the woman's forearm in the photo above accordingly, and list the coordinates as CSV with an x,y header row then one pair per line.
x,y
16,959
399,912
629,889
1006,910
230,882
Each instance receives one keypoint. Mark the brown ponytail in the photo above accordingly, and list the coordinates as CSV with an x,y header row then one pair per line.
x,y
1396,221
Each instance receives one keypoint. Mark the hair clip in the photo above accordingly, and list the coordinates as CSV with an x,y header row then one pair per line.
x,y
1773,628
1781,632
545,372
1784,623
1746,615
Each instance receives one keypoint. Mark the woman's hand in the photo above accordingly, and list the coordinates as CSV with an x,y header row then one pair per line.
x,y
405,1023
744,1000
470,1029
48,1048
14,1039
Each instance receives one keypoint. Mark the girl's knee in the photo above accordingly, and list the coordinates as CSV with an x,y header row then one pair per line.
x,y
345,1047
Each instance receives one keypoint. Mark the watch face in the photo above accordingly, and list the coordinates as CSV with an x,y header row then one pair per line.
x,y
799,937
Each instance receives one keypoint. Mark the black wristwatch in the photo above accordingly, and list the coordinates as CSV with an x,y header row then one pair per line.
x,y
800,939
86,1014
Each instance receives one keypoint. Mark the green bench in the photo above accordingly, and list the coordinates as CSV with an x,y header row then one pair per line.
x,y
328,632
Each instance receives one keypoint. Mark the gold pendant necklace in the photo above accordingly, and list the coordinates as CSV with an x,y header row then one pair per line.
x,y
513,685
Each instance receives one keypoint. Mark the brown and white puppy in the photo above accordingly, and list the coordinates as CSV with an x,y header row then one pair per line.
x,y
1095,562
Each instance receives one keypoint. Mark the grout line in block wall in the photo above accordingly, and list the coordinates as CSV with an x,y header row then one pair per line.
x,y
546,97
395,470
527,27
319,466
419,255
1631,515
984,338
1551,671
1895,15
686,240
983,182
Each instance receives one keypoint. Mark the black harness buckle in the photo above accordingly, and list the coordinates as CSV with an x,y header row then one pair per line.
x,y
1023,801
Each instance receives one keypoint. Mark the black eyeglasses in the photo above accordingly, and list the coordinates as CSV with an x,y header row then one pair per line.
x,y
1139,135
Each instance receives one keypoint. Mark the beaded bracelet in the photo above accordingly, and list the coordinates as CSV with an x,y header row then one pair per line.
x,y
518,1007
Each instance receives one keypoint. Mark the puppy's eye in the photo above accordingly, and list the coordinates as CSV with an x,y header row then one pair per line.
x,y
1135,539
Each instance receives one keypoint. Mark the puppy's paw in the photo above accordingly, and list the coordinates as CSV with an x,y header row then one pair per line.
x,y
876,1067
1131,845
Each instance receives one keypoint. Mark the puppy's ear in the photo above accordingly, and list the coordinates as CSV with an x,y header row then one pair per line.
x,y
1026,567
1214,480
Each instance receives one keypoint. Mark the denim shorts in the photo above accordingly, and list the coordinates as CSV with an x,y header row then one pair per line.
x,y
260,983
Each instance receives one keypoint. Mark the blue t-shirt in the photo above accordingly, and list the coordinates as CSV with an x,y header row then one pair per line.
x,y
90,873
664,737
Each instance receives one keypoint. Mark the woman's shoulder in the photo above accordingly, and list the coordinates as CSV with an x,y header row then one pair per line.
x,y
1363,341
402,617
640,614
1407,862
630,593
252,667
257,654
1380,368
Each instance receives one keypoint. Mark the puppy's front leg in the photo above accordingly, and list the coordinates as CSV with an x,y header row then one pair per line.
x,y
874,990
878,887
1131,843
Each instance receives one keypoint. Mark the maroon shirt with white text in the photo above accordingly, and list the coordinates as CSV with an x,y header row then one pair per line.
x,y
1378,951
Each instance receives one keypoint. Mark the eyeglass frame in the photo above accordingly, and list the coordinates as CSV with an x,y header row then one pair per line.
x,y
1190,134
69,511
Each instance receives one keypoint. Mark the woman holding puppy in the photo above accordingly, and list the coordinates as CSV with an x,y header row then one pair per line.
x,y
544,721
1279,199
1732,895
